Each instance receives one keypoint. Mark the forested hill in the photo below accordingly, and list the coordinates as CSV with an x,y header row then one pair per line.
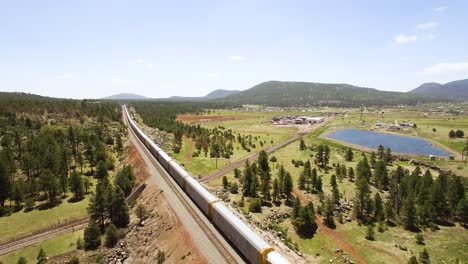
x,y
453,90
16,103
278,93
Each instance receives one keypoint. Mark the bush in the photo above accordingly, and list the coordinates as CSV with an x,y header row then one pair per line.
x,y
234,188
111,236
459,134
74,260
419,239
255,205
161,256
22,260
29,204
79,243
370,233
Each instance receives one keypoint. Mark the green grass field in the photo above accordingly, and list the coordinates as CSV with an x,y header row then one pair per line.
x,y
25,223
260,127
53,247
444,246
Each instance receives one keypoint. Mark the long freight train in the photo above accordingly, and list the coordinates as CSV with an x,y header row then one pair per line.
x,y
253,248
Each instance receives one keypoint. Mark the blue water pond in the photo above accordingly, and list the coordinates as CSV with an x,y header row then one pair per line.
x,y
400,144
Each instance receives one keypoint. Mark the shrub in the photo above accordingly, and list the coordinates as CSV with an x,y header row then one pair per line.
x,y
74,260
161,256
419,239
234,188
79,243
370,233
22,260
29,204
255,205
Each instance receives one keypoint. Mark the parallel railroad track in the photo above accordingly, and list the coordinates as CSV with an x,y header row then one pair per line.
x,y
33,239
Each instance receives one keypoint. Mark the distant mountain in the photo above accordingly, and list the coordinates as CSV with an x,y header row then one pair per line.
x,y
216,94
278,93
125,96
451,90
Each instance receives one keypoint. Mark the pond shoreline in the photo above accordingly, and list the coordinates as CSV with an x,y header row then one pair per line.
x,y
432,143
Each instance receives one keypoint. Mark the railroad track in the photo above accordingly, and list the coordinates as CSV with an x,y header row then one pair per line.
x,y
33,239
253,157
216,239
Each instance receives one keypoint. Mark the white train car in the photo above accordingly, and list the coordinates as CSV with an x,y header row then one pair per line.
x,y
202,198
253,248
164,159
178,173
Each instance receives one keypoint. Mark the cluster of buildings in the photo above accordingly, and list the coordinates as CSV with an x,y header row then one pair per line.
x,y
394,126
297,120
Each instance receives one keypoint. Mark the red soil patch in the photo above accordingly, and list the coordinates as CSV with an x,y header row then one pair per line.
x,y
139,168
336,237
198,119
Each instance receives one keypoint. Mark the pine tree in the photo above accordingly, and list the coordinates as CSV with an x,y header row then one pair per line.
x,y
302,145
351,173
302,182
111,236
120,215
381,175
349,155
408,214
288,186
264,172
462,211
389,213
276,191
378,208
225,182
328,214
41,257
99,205
362,198
92,236
373,160
296,208
101,170
77,185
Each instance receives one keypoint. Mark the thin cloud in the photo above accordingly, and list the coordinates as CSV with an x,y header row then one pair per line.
x,y
430,36
405,39
149,65
440,9
236,58
140,61
212,75
64,76
428,25
447,68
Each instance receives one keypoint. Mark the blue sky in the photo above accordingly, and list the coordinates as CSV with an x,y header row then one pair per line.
x,y
90,49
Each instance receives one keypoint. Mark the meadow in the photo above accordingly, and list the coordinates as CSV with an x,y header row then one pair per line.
x,y
394,245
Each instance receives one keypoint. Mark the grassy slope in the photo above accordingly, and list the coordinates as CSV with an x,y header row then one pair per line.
x,y
20,224
255,126
55,246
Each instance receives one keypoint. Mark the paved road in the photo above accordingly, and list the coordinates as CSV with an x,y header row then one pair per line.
x,y
254,156
204,235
